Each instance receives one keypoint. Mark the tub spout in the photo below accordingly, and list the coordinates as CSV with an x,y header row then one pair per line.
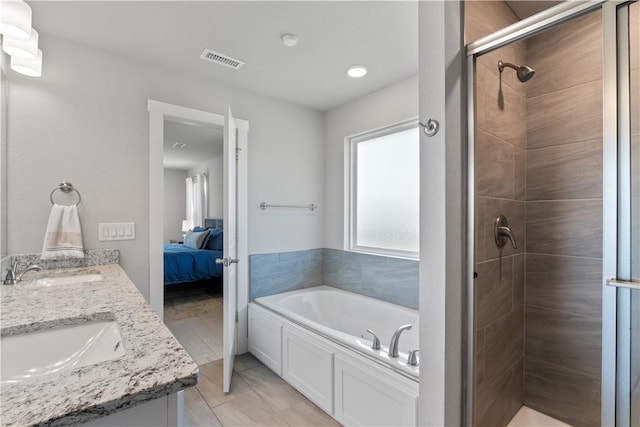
x,y
393,345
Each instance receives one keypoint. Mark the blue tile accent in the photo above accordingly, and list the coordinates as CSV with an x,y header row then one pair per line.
x,y
286,271
389,279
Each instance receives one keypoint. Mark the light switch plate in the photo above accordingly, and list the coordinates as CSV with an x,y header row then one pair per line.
x,y
116,231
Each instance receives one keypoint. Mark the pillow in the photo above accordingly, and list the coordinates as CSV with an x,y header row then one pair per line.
x,y
200,229
195,239
215,240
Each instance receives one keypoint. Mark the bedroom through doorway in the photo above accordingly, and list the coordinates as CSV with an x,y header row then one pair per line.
x,y
193,237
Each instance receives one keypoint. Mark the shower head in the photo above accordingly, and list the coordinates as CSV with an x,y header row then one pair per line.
x,y
524,72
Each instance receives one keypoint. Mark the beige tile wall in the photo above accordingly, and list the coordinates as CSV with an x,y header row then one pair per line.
x,y
563,212
500,189
539,162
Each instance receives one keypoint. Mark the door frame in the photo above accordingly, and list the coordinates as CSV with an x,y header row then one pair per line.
x,y
158,111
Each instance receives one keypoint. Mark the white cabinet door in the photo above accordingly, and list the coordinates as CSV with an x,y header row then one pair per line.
x,y
265,338
372,396
307,364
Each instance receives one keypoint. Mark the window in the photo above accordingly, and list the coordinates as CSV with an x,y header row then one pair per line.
x,y
384,192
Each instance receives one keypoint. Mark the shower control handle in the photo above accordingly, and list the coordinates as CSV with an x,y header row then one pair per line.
x,y
502,232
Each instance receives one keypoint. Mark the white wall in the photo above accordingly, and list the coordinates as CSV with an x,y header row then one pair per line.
x,y
4,97
86,121
389,105
175,200
215,173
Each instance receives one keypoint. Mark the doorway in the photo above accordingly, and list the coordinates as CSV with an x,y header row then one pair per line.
x,y
193,193
158,113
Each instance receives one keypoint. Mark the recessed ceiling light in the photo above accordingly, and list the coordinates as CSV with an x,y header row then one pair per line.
x,y
357,71
289,40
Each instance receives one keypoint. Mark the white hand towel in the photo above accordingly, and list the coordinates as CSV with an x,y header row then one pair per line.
x,y
63,237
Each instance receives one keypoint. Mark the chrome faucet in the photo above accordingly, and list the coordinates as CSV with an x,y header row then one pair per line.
x,y
412,360
14,277
375,344
393,345
502,232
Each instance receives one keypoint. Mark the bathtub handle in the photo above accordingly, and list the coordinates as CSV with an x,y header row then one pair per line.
x,y
376,341
412,360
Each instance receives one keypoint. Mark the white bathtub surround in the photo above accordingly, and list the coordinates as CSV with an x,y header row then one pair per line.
x,y
527,417
154,364
316,340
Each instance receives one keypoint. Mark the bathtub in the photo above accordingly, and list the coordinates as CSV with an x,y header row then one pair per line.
x,y
317,340
344,317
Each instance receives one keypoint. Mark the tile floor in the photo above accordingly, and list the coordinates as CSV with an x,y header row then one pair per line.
x,y
194,316
258,397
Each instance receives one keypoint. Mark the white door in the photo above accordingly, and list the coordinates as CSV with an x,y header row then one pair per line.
x,y
230,277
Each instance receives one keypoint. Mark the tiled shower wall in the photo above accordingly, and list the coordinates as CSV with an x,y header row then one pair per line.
x,y
500,189
564,222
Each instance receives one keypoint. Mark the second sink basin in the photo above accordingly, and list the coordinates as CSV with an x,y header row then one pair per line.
x,y
48,351
68,280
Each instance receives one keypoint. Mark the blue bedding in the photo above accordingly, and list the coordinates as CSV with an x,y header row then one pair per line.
x,y
183,264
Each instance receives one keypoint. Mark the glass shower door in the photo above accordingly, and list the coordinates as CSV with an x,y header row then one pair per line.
x,y
634,167
627,282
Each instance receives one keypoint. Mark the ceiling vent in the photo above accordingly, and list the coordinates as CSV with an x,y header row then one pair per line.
x,y
219,58
178,145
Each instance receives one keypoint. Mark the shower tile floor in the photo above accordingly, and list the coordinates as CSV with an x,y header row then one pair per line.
x,y
527,417
258,397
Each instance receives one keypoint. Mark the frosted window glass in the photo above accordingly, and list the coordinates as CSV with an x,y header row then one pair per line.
x,y
387,192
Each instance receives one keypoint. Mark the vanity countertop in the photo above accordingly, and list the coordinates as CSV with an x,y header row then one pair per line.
x,y
154,364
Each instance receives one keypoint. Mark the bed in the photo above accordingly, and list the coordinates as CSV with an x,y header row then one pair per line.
x,y
183,263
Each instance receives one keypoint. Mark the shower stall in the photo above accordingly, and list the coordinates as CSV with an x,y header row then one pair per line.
x,y
554,208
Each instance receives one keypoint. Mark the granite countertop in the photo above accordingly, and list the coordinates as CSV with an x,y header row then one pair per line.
x,y
154,364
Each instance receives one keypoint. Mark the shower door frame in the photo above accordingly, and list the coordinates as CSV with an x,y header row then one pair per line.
x,y
521,30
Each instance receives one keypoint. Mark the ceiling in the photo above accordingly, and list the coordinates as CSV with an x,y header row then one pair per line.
x,y
203,144
333,35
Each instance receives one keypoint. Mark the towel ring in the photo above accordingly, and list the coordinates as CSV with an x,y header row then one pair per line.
x,y
65,187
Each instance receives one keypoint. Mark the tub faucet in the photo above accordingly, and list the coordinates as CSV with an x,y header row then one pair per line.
x,y
14,277
375,345
412,360
393,345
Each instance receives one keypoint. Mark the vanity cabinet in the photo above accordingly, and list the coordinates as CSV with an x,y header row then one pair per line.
x,y
165,411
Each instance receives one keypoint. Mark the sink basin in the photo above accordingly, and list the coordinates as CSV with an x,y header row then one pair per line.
x,y
48,351
68,280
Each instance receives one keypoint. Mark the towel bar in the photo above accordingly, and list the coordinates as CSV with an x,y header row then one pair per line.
x,y
65,187
265,206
